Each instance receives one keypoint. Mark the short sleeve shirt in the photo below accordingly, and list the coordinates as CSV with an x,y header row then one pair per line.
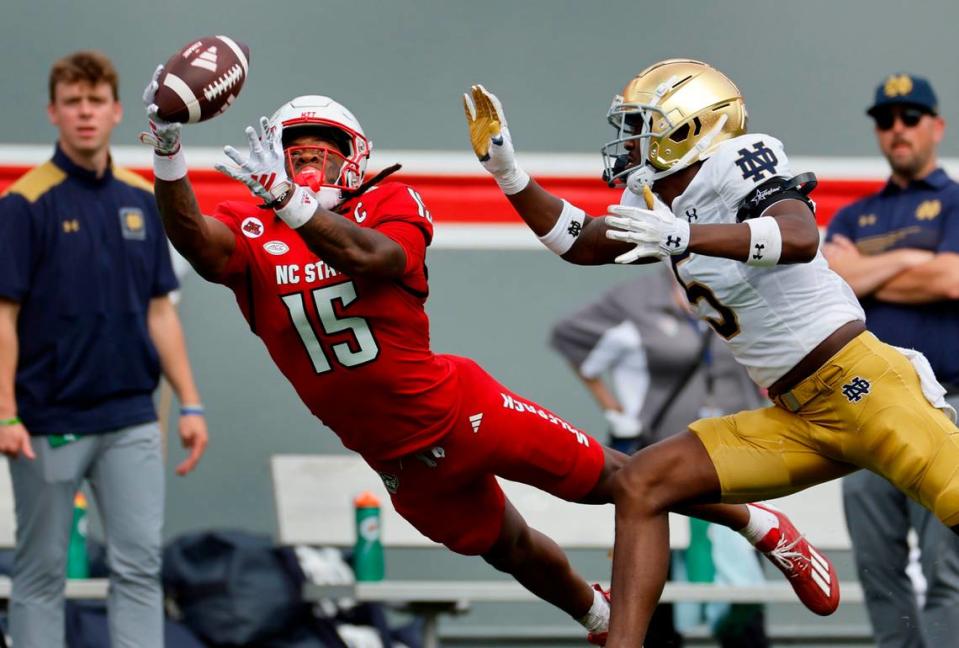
x,y
83,256
923,215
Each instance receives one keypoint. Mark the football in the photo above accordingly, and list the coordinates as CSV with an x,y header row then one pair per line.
x,y
202,79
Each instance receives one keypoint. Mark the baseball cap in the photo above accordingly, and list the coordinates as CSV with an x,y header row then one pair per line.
x,y
903,88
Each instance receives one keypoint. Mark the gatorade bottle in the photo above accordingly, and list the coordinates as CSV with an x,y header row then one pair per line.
x,y
78,565
368,550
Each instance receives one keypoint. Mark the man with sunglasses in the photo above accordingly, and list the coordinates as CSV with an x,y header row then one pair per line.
x,y
899,250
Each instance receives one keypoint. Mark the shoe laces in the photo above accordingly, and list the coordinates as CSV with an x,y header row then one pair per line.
x,y
785,555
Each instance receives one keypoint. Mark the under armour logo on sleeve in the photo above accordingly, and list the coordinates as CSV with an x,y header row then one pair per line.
x,y
674,241
759,251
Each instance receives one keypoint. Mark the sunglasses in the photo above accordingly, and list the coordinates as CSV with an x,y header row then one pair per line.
x,y
909,117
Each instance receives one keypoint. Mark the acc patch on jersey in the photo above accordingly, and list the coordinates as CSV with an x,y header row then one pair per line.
x,y
132,224
252,227
276,248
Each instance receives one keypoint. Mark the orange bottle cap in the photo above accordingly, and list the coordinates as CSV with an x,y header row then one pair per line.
x,y
80,500
366,499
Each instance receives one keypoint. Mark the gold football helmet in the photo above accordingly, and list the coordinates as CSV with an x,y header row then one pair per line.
x,y
676,111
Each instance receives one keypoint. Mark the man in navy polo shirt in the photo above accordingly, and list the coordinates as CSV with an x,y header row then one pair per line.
x,y
899,250
86,326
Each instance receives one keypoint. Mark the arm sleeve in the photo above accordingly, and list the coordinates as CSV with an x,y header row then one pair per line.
x,y
19,247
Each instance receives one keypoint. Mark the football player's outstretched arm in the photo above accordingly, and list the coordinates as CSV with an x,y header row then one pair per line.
x,y
797,228
560,226
349,248
785,233
205,242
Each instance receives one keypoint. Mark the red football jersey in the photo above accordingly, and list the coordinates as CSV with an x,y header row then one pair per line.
x,y
355,349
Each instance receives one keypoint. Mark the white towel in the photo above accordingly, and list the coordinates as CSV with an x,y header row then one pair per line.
x,y
931,389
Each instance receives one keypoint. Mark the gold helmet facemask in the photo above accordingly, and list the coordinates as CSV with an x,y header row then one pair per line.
x,y
676,111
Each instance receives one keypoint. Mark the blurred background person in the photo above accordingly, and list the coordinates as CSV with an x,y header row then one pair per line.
x,y
86,326
652,368
899,250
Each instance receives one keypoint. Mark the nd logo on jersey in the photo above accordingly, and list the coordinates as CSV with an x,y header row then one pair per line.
x,y
928,209
755,164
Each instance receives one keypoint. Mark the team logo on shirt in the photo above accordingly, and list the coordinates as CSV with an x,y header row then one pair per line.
x,y
252,227
276,248
865,220
755,164
856,389
132,223
928,209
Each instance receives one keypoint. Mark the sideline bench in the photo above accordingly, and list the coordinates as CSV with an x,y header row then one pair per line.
x,y
314,504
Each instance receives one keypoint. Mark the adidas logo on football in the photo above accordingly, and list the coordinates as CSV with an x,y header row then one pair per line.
x,y
475,421
206,60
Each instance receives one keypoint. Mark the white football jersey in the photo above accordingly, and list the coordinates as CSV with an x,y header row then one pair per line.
x,y
771,317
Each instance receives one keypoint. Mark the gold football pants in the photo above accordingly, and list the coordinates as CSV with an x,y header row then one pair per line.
x,y
862,409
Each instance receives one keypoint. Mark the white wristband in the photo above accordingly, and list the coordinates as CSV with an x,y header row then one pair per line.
x,y
765,242
300,209
169,167
567,228
512,182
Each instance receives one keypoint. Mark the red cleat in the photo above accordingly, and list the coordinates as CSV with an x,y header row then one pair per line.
x,y
811,574
599,638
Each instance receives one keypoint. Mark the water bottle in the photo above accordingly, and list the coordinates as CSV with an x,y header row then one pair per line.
x,y
368,551
78,564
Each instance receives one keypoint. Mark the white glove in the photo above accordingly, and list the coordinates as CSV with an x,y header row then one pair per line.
x,y
263,170
491,139
163,136
656,233
622,425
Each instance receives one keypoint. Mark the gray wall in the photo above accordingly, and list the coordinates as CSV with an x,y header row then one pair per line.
x,y
806,68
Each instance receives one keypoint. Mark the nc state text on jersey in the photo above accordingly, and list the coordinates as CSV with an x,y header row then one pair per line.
x,y
292,273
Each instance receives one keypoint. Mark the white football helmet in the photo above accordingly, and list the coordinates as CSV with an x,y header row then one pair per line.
x,y
675,112
326,171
